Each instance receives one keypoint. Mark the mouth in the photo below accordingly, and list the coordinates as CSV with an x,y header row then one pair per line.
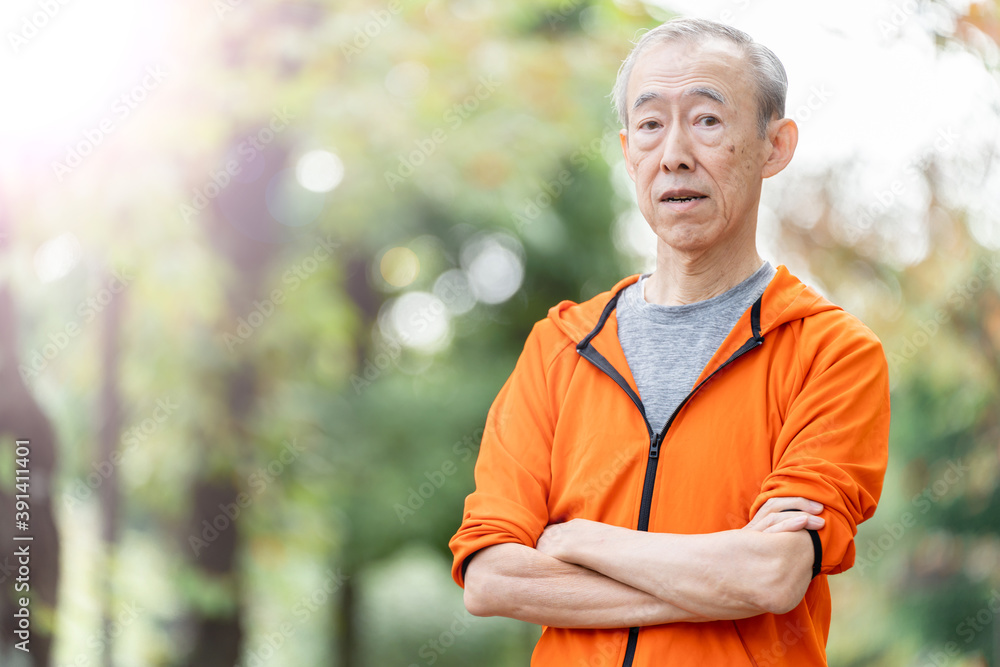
x,y
681,196
682,200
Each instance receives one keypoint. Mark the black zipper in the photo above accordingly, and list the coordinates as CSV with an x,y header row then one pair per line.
x,y
655,439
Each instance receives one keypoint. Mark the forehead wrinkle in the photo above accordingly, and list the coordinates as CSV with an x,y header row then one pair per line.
x,y
710,62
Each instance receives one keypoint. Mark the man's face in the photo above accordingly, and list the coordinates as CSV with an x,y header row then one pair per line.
x,y
692,145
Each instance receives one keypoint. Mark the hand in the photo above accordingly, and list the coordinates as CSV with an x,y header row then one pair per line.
x,y
560,540
772,517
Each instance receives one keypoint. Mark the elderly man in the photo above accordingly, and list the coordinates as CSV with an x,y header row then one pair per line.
x,y
637,465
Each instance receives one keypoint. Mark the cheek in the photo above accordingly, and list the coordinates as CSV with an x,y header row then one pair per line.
x,y
645,167
739,164
731,173
714,139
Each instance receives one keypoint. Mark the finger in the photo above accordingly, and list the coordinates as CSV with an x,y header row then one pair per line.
x,y
764,520
815,522
791,522
795,503
779,517
792,503
774,506
788,525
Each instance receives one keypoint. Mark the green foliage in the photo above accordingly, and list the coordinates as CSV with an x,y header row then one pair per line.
x,y
453,120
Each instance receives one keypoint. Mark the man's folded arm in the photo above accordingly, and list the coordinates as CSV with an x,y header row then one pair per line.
x,y
764,568
516,581
624,578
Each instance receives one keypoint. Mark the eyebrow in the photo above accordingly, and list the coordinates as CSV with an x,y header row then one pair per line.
x,y
710,93
645,97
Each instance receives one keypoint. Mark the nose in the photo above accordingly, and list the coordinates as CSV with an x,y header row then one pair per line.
x,y
677,155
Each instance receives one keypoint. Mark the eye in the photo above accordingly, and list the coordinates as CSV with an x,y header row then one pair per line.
x,y
709,121
648,125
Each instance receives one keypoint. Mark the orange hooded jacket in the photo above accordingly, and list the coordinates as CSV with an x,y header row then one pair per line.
x,y
795,402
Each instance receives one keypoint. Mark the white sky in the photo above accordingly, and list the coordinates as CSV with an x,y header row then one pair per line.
x,y
891,90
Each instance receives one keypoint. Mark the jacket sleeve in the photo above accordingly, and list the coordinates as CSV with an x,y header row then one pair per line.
x,y
512,473
833,444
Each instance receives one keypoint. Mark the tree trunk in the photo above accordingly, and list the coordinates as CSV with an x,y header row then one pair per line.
x,y
21,418
108,436
239,219
346,630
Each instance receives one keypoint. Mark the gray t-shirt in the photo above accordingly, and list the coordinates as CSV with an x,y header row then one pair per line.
x,y
667,347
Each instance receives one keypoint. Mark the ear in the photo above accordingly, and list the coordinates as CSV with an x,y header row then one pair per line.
x,y
623,135
783,135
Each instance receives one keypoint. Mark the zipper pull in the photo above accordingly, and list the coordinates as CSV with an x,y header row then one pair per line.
x,y
654,446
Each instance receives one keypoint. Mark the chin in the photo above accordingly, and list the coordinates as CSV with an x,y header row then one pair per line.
x,y
686,237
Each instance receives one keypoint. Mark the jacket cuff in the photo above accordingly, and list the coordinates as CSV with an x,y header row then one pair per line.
x,y
465,563
817,548
817,552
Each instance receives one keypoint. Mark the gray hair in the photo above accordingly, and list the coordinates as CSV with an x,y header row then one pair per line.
x,y
766,70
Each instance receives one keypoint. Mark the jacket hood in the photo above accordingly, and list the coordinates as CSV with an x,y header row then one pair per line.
x,y
785,299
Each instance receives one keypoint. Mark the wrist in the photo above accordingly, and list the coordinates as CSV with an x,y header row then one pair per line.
x,y
591,541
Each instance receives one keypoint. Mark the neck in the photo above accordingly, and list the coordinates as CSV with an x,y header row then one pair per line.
x,y
687,277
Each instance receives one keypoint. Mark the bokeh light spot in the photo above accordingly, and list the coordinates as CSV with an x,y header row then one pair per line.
x,y
494,267
57,257
319,171
419,320
400,266
453,288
